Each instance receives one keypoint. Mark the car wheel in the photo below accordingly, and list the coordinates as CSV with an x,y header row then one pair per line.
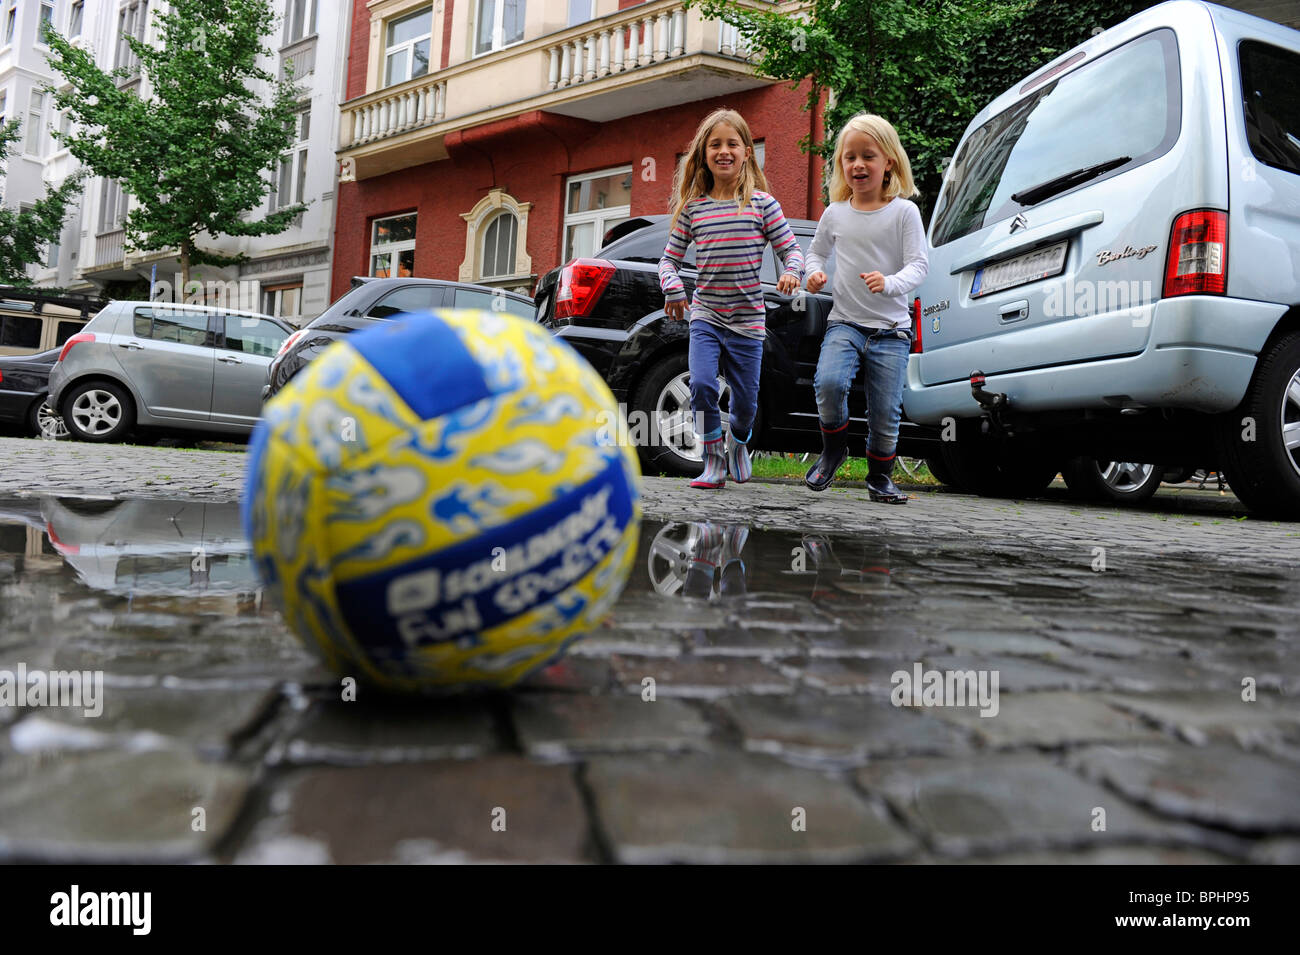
x,y
1260,441
994,467
1115,481
98,411
664,426
940,470
44,422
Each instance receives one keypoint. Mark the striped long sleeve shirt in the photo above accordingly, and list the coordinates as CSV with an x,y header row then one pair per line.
x,y
729,255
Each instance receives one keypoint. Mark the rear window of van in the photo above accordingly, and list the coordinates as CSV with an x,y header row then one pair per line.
x,y
1270,87
1125,104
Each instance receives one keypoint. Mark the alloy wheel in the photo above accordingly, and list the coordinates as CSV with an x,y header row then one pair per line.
x,y
96,412
1290,419
1123,477
50,424
674,422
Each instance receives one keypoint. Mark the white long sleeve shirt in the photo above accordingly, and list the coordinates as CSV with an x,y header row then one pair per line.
x,y
889,240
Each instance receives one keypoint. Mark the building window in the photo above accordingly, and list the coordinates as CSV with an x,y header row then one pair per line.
x,y
131,22
500,23
406,55
75,16
52,260
283,301
112,206
289,181
496,241
579,12
4,106
594,203
11,19
299,20
46,23
499,246
35,124
392,247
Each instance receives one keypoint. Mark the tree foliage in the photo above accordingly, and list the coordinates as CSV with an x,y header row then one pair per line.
x,y
26,234
195,153
928,66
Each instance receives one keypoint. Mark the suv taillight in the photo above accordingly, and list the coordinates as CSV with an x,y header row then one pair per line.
x,y
1197,262
582,282
288,343
916,326
76,339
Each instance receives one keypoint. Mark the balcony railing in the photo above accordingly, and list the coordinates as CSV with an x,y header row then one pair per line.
x,y
301,56
406,108
612,47
110,248
622,46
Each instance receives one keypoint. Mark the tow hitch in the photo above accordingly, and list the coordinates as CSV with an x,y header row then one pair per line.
x,y
994,405
990,401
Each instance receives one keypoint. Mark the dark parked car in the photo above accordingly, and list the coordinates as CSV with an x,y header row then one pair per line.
x,y
372,300
610,309
24,386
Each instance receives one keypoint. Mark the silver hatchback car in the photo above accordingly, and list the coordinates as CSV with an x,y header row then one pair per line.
x,y
164,366
1115,264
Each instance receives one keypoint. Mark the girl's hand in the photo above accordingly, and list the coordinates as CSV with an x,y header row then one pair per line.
x,y
675,310
816,282
875,281
787,284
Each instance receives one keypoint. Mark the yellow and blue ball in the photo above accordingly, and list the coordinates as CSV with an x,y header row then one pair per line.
x,y
435,502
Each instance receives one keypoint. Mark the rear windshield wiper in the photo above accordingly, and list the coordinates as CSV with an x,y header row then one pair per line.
x,y
1044,190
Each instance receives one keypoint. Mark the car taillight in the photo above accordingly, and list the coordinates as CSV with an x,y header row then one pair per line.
x,y
582,282
288,342
916,327
1197,262
76,339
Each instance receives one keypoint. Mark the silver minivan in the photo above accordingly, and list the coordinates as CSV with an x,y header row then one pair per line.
x,y
1115,263
164,366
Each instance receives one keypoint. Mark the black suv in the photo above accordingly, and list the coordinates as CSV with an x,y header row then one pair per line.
x,y
372,300
611,310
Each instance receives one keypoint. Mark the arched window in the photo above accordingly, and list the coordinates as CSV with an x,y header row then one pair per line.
x,y
496,242
499,246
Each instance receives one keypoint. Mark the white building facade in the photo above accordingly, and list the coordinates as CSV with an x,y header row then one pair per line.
x,y
286,275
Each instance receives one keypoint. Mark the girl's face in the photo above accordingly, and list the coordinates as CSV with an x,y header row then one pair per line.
x,y
864,166
724,152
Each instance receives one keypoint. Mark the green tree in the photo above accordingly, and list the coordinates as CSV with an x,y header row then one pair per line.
x,y
195,154
926,65
26,234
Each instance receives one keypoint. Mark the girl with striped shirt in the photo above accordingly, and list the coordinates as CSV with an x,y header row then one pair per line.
x,y
720,203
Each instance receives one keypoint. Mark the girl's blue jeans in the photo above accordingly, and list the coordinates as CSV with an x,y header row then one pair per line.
x,y
740,360
885,352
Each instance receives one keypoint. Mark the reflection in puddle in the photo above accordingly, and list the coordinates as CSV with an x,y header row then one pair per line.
x,y
150,551
705,560
177,560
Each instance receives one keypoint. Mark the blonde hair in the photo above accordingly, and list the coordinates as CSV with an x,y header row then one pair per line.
x,y
898,180
693,179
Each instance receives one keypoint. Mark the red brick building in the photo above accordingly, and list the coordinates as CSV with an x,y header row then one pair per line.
x,y
490,140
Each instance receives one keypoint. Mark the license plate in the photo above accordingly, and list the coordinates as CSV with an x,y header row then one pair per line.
x,y
1039,264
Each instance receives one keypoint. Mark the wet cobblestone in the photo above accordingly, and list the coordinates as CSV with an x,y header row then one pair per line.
x,y
1119,689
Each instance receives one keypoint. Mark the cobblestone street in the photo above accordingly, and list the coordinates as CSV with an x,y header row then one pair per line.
x,y
1144,711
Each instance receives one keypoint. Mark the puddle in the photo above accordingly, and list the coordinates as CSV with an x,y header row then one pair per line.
x,y
759,643
175,575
